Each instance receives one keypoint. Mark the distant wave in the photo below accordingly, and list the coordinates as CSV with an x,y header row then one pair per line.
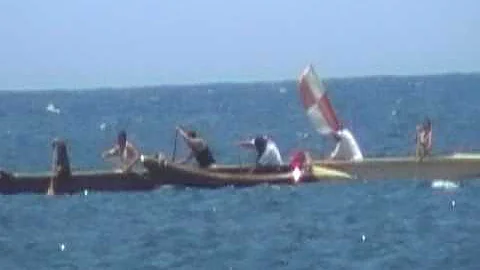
x,y
51,108
444,184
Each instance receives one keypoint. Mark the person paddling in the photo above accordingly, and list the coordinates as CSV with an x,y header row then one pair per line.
x,y
60,167
267,151
198,148
424,139
346,146
124,149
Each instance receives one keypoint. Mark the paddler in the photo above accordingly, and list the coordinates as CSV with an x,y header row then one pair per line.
x,y
424,139
198,148
125,150
60,167
346,146
267,151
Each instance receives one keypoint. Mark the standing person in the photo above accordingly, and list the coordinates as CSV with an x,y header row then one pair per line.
x,y
60,167
424,139
267,151
346,147
124,149
198,148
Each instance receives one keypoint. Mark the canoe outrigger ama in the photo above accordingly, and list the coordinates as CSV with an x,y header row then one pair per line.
x,y
457,166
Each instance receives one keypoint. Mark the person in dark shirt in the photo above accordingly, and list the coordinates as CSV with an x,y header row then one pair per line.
x,y
198,148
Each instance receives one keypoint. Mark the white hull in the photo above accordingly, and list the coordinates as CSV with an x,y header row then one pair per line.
x,y
451,167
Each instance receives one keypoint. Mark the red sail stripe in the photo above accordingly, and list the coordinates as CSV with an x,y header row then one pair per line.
x,y
306,94
328,113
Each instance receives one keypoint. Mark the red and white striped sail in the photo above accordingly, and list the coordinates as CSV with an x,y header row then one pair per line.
x,y
316,103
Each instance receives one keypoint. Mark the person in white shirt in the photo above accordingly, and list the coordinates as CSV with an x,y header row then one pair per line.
x,y
267,151
125,150
347,147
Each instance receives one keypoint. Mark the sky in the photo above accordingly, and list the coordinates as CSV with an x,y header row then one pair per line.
x,y
52,44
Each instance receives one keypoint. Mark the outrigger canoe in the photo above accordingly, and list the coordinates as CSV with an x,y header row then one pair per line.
x,y
230,175
459,166
14,183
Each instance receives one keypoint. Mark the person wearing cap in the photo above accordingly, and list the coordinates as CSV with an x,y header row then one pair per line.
x,y
125,150
198,148
346,147
267,151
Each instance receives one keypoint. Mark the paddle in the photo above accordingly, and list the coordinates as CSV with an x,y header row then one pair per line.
x,y
175,145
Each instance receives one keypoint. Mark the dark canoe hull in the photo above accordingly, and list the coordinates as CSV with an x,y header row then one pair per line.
x,y
220,176
79,182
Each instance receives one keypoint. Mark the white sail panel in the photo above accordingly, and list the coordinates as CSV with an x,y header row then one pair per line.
x,y
318,121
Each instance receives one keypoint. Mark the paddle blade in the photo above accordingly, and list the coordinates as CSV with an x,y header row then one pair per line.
x,y
322,172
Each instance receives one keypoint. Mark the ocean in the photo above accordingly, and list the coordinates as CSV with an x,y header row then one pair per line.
x,y
401,224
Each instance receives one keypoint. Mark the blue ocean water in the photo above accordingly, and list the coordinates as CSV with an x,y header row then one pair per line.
x,y
362,225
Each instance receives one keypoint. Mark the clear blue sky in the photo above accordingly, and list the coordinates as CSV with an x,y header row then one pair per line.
x,y
95,43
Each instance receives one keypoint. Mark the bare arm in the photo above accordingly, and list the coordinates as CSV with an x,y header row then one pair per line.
x,y
110,152
183,134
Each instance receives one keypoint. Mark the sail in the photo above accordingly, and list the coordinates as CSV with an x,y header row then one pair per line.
x,y
316,103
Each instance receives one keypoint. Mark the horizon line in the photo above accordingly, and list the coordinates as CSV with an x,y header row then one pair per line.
x,y
245,82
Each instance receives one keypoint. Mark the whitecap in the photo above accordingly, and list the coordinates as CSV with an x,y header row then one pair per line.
x,y
51,108
103,126
444,184
282,90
